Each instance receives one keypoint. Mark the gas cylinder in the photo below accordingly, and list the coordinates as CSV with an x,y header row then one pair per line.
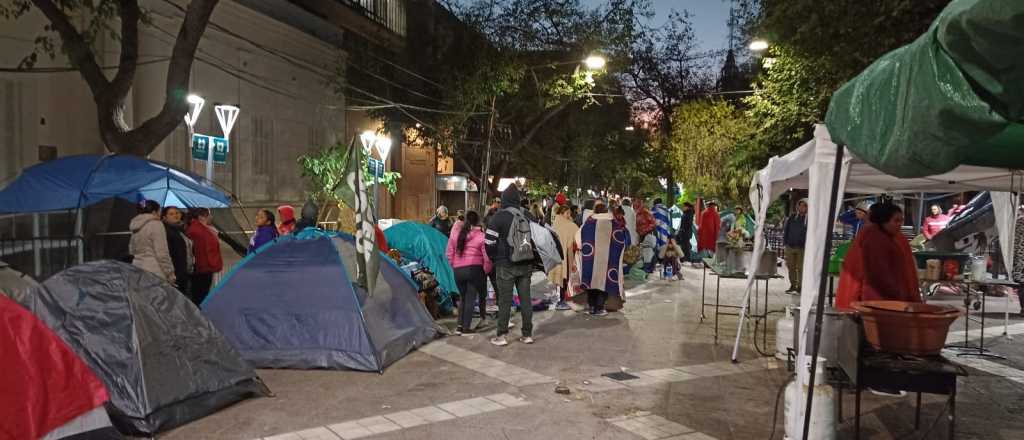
x,y
823,414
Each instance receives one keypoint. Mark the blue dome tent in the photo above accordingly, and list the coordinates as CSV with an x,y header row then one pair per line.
x,y
294,304
89,200
422,243
76,182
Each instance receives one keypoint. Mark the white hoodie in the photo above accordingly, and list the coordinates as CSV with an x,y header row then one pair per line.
x,y
148,246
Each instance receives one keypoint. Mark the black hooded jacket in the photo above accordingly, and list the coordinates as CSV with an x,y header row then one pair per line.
x,y
496,240
308,217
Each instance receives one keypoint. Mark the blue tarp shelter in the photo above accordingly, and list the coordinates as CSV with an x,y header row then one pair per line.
x,y
79,181
294,304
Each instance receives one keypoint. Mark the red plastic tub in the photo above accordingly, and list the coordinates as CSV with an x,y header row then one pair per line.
x,y
906,327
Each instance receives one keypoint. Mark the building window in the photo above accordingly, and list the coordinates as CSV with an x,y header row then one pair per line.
x,y
10,146
390,13
316,137
262,145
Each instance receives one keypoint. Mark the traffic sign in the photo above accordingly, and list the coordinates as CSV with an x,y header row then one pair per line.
x,y
201,143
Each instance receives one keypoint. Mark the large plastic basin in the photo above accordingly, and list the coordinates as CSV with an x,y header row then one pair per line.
x,y
906,327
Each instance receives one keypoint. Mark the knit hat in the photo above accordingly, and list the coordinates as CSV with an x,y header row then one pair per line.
x,y
561,199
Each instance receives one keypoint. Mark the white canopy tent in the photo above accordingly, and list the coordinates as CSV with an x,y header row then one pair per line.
x,y
812,167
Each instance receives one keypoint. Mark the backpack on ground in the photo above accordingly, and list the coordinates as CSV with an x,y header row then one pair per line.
x,y
520,240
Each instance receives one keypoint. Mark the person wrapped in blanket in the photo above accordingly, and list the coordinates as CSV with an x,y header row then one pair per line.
x,y
880,264
600,245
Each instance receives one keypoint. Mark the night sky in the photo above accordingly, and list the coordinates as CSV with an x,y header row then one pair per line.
x,y
709,18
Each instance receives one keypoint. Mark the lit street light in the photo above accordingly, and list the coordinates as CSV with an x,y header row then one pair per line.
x,y
595,62
227,115
758,45
371,139
630,128
196,103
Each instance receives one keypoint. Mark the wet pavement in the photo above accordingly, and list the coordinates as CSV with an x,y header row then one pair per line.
x,y
683,385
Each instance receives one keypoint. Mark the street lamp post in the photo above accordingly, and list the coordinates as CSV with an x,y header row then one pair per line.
x,y
370,140
195,103
226,116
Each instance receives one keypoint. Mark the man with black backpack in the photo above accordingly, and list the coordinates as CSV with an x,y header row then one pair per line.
x,y
510,247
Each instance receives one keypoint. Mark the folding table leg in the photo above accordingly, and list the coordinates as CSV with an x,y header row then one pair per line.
x,y
856,414
917,413
952,413
703,287
839,404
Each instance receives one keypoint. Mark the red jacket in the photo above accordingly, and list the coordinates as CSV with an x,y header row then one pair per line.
x,y
707,232
206,248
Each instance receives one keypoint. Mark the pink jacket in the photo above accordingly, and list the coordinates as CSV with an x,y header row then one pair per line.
x,y
473,255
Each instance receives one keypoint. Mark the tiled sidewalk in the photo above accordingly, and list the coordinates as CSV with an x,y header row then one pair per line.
x,y
652,427
368,426
493,368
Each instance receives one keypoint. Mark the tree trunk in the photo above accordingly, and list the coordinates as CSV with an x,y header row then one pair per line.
x,y
110,96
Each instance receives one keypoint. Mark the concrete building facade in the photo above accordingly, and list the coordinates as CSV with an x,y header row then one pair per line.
x,y
280,61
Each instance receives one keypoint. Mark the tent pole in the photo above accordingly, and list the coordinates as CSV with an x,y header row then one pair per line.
x,y
920,214
820,306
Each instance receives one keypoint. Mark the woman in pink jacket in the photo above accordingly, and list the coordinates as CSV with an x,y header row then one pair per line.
x,y
467,256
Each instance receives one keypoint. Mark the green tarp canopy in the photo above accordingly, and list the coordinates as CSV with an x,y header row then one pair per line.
x,y
955,96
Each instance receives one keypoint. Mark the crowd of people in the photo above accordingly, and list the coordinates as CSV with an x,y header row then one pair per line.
x,y
591,239
183,247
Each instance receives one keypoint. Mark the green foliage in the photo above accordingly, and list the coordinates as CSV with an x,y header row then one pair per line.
x,y
706,139
97,20
325,171
816,47
524,57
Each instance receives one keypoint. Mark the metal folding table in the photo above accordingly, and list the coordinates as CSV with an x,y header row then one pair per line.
x,y
719,273
966,349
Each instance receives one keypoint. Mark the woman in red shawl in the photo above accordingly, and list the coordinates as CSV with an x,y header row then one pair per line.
x,y
880,264
645,223
707,232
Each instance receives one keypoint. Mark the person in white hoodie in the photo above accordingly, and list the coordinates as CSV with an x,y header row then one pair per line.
x,y
630,214
148,245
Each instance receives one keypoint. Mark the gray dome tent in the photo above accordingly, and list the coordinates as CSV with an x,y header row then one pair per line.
x,y
14,284
162,362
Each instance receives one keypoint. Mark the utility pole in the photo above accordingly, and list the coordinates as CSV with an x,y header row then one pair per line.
x,y
487,159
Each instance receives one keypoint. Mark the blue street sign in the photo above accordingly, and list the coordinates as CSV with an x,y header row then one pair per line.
x,y
376,167
201,143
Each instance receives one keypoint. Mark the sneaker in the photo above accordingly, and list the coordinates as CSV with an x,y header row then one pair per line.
x,y
563,306
458,331
467,331
499,341
599,313
526,339
511,324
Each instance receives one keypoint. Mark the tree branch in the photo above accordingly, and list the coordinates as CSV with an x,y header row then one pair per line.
x,y
535,128
78,50
178,73
123,80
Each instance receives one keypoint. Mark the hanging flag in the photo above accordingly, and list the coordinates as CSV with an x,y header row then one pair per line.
x,y
357,197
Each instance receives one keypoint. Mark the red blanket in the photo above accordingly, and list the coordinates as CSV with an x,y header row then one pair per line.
x,y
879,266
